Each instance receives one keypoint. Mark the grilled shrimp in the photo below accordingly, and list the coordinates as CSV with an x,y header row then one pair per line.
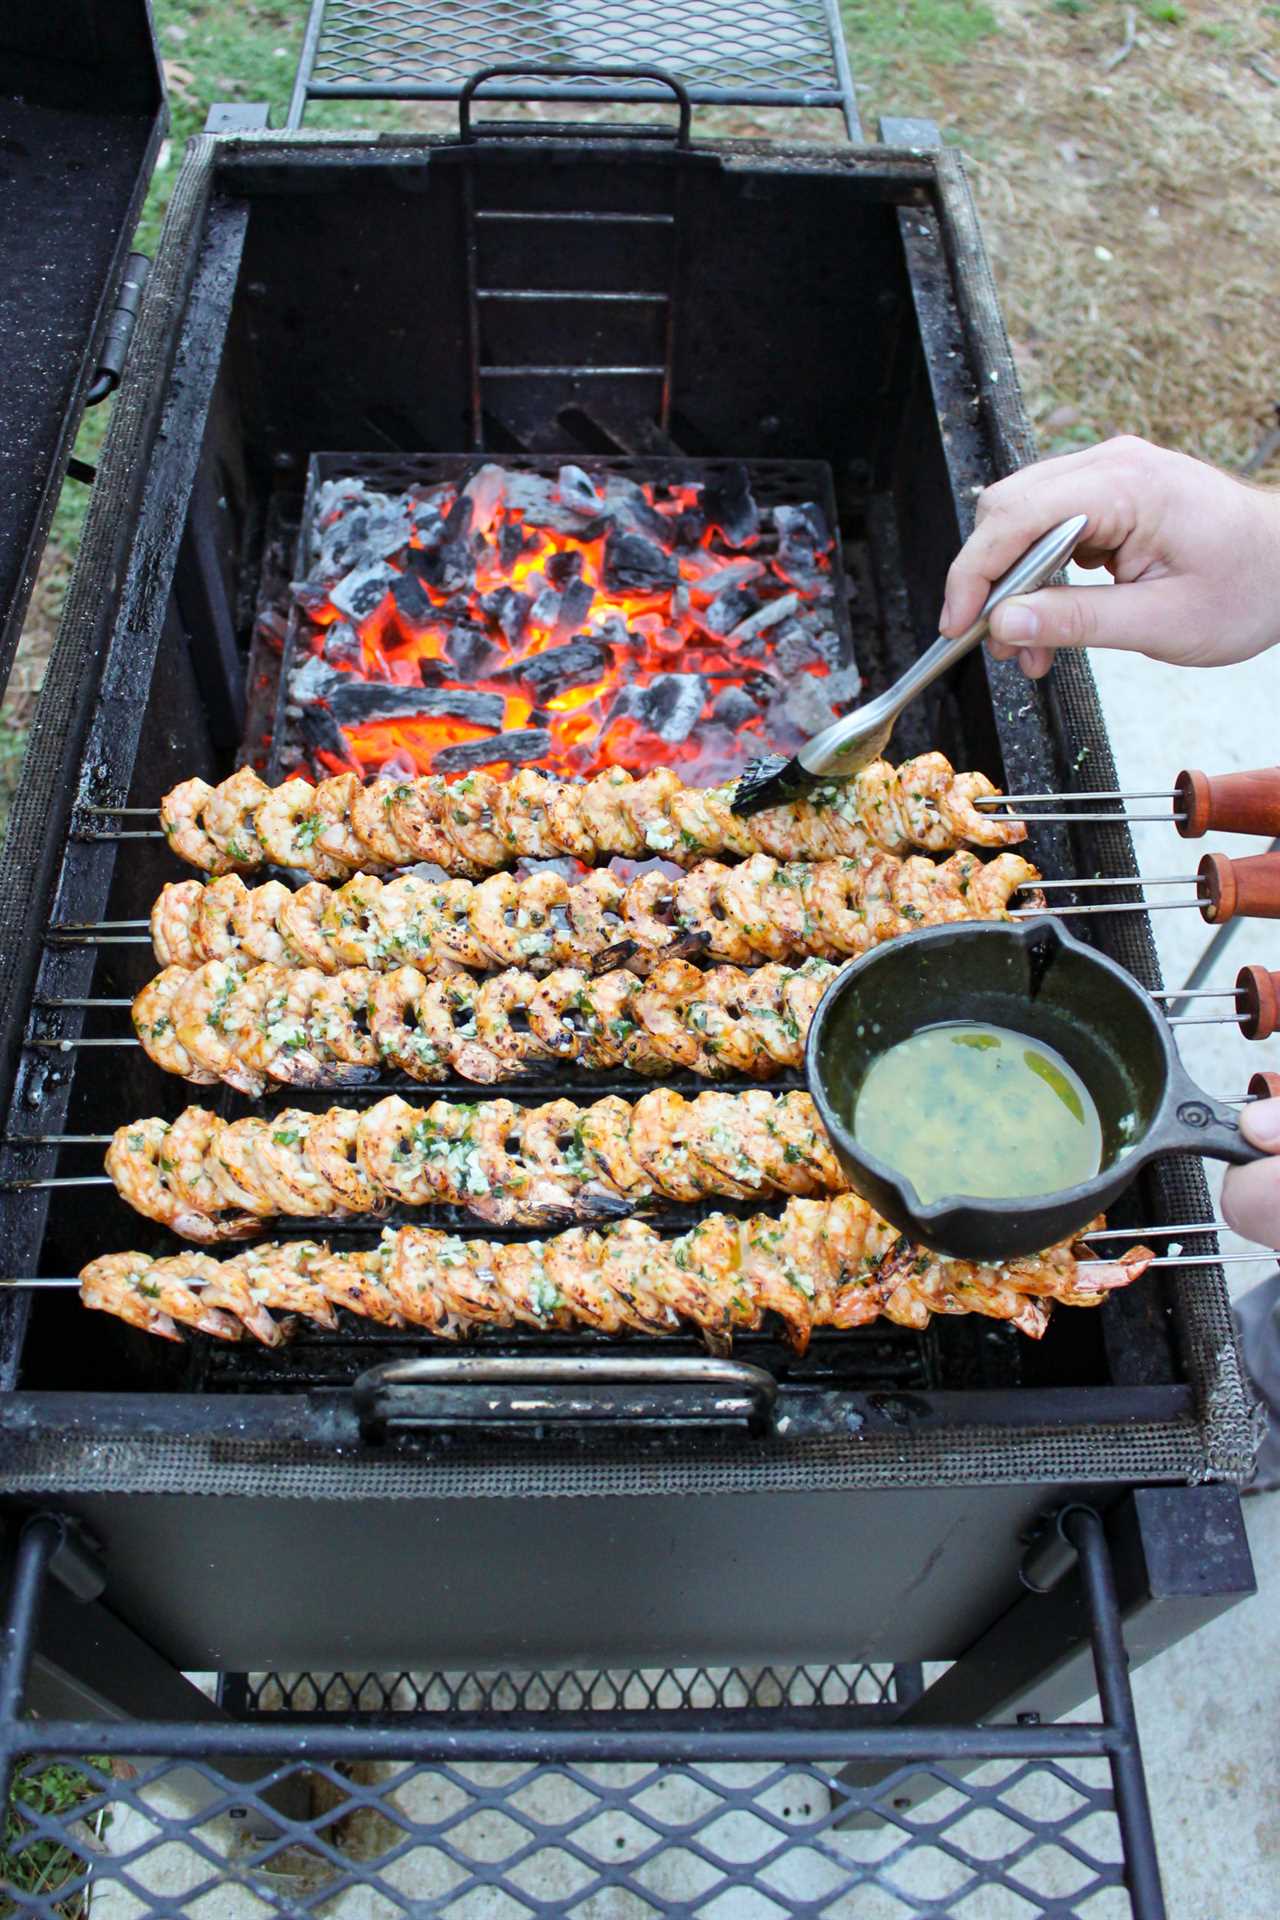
x,y
658,1140
300,919
529,834
138,1161
283,1154
333,1149
207,1022
471,816
401,1032
279,1275
214,934
371,821
503,1027
649,909
172,923
257,926
348,921
631,1266
228,817
728,1134
412,1267
191,1152
564,821
595,911
447,934
660,1008
339,1018
287,827
332,802
356,1281
601,813
700,908
117,1283
174,1279
228,1287
415,815
152,1015
513,920
605,1128
181,813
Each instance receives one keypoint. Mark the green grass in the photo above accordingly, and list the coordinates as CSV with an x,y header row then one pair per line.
x,y
896,41
33,1863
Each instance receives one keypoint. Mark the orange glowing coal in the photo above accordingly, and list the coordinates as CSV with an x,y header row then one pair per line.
x,y
571,622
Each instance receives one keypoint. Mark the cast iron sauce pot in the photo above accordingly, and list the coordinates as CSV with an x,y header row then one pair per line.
x,y
1043,982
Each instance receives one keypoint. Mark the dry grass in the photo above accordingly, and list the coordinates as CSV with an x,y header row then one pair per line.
x,y
1132,214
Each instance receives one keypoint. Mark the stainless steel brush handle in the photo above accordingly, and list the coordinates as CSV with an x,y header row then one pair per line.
x,y
847,746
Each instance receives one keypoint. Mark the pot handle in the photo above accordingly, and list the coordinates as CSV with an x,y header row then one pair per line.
x,y
1198,1124
476,1390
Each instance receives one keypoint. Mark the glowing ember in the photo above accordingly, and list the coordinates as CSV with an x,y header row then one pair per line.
x,y
575,622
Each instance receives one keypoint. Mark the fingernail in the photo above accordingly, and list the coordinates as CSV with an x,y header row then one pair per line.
x,y
1260,1122
944,618
1016,625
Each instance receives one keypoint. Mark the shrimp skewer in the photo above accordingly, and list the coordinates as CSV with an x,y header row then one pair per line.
x,y
479,824
761,909
830,1263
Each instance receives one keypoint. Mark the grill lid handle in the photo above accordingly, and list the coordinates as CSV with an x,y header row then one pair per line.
x,y
568,86
438,1392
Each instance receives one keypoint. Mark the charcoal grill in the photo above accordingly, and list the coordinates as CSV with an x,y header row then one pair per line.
x,y
823,305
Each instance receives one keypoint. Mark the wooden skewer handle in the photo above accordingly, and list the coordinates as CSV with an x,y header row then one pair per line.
x,y
1265,1086
1250,887
1258,999
1228,803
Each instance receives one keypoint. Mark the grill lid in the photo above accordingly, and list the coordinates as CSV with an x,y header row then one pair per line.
x,y
81,115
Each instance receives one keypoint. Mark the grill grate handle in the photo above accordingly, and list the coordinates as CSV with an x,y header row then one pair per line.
x,y
563,74
436,1393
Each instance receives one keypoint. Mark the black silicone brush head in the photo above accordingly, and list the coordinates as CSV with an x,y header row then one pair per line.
x,y
771,781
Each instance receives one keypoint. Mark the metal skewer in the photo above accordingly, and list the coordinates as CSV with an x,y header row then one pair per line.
x,y
1264,1255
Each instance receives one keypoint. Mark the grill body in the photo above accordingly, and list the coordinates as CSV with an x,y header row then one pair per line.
x,y
821,304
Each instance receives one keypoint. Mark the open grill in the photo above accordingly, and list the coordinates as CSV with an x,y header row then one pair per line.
x,y
860,378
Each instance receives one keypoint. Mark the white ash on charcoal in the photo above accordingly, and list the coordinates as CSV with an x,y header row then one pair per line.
x,y
729,505
670,706
557,608
546,674
357,702
514,749
633,564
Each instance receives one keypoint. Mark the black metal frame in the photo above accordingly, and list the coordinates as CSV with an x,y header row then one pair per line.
x,y
566,81
1161,1563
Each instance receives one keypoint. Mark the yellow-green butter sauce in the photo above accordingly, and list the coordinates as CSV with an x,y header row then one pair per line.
x,y
965,1108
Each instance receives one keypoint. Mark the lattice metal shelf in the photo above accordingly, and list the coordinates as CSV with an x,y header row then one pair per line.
x,y
676,1792
761,53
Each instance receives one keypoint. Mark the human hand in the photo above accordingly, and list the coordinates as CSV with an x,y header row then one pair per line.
x,y
1194,552
1251,1195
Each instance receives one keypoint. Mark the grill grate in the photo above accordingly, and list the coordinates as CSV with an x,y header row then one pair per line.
x,y
786,53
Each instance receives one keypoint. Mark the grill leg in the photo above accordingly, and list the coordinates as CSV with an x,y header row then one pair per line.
x,y
1179,1556
65,1657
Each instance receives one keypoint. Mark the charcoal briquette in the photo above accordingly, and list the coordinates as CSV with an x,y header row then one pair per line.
x,y
690,527
363,590
728,610
322,734
734,707
807,706
575,605
354,702
523,744
413,603
671,705
472,653
558,668
486,490
458,520
577,491
546,609
632,563
729,505
342,646
509,610
510,544
769,615
562,569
